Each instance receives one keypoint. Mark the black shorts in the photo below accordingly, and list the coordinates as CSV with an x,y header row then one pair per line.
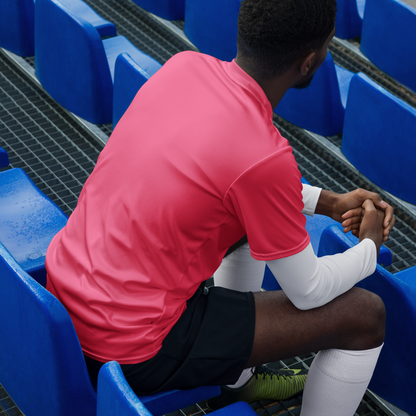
x,y
209,345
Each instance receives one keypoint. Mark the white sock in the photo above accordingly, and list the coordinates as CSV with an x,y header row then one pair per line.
x,y
239,271
244,377
337,382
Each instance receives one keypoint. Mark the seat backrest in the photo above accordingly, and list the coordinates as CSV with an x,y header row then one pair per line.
x,y
393,377
114,395
168,9
83,10
349,19
41,363
17,31
318,108
71,63
212,26
28,221
129,77
388,38
378,137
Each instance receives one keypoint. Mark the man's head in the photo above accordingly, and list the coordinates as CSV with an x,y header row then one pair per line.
x,y
274,34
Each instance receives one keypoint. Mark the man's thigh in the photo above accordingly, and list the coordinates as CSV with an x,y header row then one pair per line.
x,y
354,320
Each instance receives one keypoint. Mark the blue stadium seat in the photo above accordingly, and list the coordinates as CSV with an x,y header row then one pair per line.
x,y
319,108
349,19
388,38
393,379
28,221
129,77
115,397
73,63
378,137
212,26
17,18
168,9
41,362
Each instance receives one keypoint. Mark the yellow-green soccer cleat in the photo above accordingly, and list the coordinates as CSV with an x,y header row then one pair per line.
x,y
266,384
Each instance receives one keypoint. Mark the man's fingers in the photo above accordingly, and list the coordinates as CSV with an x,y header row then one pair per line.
x,y
353,221
368,205
389,218
353,213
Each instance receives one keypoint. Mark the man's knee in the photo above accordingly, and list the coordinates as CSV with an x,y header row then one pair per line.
x,y
371,316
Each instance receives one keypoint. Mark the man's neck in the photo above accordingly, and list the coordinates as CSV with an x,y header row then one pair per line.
x,y
274,88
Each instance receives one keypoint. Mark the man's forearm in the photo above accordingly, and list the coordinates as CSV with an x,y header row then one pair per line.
x,y
326,203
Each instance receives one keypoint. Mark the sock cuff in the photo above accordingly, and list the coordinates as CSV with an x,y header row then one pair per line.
x,y
348,365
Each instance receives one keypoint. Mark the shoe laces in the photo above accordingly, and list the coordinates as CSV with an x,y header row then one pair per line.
x,y
263,370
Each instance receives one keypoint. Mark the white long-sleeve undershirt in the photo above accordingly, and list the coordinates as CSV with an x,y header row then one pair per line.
x,y
310,281
310,196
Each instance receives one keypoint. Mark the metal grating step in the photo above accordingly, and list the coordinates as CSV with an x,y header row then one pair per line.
x,y
41,138
7,405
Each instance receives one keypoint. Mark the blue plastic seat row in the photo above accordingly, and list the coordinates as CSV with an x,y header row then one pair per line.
x,y
74,64
17,23
388,34
378,137
377,127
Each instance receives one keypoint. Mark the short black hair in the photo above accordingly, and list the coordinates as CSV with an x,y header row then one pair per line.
x,y
273,34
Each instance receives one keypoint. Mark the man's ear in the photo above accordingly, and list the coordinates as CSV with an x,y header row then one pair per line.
x,y
306,63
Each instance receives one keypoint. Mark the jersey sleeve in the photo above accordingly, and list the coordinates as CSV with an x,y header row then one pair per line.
x,y
267,199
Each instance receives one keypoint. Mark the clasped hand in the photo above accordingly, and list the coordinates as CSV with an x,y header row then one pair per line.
x,y
362,212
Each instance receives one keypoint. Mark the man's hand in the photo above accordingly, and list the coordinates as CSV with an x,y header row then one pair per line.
x,y
348,210
372,224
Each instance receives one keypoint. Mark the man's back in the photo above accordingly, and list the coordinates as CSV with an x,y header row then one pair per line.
x,y
164,204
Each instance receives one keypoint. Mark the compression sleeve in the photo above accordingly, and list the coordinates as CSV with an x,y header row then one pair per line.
x,y
310,281
310,196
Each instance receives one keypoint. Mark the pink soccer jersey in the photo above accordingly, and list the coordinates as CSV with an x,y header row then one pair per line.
x,y
193,165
